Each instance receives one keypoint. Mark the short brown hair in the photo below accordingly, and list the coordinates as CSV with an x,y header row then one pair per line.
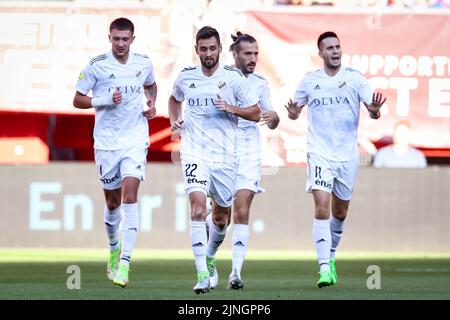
x,y
206,33
327,34
122,24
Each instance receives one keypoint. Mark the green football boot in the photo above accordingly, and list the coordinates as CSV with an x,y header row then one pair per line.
x,y
113,262
333,271
121,278
203,285
325,279
213,274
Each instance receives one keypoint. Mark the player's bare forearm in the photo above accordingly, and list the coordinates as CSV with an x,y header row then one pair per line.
x,y
81,101
174,109
151,92
176,124
252,113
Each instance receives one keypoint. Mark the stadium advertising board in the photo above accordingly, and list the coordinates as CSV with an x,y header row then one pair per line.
x,y
61,205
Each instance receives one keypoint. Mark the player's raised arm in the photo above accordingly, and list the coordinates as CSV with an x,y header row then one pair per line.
x,y
293,109
375,105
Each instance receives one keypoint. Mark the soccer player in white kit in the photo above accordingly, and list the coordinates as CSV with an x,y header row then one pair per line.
x,y
215,96
245,54
119,79
333,95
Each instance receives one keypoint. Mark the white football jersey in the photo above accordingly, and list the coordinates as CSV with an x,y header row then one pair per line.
x,y
333,111
123,125
209,133
249,137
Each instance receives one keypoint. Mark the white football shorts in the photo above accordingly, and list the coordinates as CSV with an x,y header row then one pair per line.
x,y
336,177
216,179
249,176
115,165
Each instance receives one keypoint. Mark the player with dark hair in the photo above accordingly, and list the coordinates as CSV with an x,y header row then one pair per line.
x,y
333,95
245,53
215,96
119,79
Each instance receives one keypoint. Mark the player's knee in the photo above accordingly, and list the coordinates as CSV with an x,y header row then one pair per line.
x,y
340,214
322,213
221,223
129,198
198,213
240,216
112,203
221,216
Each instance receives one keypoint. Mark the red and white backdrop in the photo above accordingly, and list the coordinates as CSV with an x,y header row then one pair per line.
x,y
404,55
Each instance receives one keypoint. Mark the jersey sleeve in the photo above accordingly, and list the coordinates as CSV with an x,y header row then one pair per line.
x,y
301,94
265,102
86,80
244,95
364,91
177,91
151,76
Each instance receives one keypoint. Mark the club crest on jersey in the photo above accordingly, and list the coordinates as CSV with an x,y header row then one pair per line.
x,y
138,74
222,85
341,85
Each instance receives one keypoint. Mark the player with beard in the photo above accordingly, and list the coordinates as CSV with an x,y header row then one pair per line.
x,y
215,96
245,53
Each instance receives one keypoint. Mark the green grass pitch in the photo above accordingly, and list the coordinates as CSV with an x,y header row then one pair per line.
x,y
170,275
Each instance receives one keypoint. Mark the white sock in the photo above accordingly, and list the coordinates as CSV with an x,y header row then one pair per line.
x,y
129,228
216,236
112,218
239,246
199,241
322,241
336,228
